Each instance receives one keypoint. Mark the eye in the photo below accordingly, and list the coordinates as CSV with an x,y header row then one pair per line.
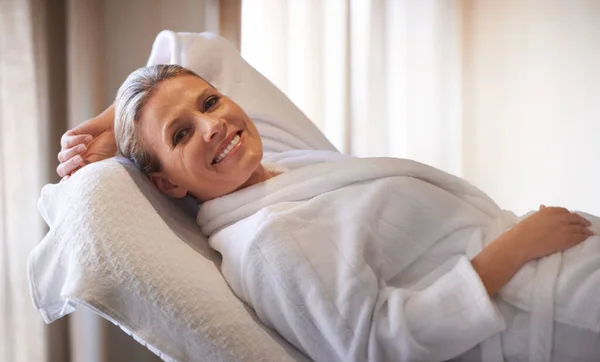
x,y
179,135
210,102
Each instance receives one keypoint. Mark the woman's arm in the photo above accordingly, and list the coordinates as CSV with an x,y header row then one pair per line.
x,y
497,263
91,141
550,230
107,117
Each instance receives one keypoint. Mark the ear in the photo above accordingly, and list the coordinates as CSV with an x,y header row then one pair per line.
x,y
165,185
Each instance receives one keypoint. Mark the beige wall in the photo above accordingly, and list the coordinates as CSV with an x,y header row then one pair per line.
x,y
532,102
108,39
133,24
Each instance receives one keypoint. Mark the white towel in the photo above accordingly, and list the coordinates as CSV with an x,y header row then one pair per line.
x,y
120,248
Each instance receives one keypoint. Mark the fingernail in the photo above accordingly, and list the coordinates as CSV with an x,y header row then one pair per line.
x,y
78,160
81,148
88,138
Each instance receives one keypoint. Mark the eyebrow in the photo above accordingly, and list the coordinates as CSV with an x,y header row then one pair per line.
x,y
177,120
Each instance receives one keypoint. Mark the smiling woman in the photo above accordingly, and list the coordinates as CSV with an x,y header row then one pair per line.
x,y
185,135
353,259
189,139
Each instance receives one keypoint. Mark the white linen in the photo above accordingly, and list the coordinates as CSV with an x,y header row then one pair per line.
x,y
120,248
368,259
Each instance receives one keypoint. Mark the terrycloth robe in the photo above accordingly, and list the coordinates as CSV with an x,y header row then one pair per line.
x,y
368,259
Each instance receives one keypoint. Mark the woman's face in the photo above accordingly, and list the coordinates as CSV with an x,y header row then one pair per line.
x,y
206,144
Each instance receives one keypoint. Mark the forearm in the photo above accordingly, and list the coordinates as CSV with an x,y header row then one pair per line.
x,y
107,116
97,125
498,262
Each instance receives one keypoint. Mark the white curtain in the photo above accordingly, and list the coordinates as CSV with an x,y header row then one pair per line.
x,y
379,77
502,93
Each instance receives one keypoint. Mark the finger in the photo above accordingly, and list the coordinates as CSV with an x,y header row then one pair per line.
x,y
66,135
93,126
69,153
66,168
579,229
578,238
71,140
83,163
574,219
583,220
584,236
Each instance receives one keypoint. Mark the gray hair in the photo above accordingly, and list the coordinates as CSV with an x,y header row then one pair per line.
x,y
131,98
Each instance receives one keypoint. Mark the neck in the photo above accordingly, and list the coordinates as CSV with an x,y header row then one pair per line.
x,y
259,175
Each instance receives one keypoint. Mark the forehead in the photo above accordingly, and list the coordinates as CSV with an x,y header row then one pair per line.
x,y
173,94
170,98
178,87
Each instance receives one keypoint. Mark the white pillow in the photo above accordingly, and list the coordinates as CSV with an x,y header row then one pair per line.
x,y
137,258
119,247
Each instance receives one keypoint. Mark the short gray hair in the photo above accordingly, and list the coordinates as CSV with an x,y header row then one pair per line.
x,y
131,98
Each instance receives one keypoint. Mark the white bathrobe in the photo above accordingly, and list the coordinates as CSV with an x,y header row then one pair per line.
x,y
368,259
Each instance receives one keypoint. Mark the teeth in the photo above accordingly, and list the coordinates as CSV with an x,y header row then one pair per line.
x,y
231,145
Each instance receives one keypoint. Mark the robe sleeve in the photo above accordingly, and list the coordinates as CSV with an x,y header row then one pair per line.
x,y
442,321
336,312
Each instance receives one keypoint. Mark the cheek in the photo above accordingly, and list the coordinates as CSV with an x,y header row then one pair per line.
x,y
179,165
257,141
254,154
253,143
193,152
191,161
251,128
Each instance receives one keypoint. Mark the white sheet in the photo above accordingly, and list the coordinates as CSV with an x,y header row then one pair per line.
x,y
366,259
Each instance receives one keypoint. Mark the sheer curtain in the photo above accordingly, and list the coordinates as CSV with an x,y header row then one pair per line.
x,y
502,93
32,114
379,77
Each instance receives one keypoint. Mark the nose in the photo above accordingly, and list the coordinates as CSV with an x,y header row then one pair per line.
x,y
210,127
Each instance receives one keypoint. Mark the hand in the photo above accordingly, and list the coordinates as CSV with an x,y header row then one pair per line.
x,y
550,230
91,141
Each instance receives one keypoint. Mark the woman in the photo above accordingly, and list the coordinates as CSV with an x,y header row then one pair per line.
x,y
379,259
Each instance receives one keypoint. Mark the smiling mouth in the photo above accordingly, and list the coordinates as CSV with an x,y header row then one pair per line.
x,y
232,144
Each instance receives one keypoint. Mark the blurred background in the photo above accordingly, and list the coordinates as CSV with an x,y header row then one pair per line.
x,y
504,93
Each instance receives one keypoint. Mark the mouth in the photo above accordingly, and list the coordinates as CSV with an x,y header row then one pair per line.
x,y
228,147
